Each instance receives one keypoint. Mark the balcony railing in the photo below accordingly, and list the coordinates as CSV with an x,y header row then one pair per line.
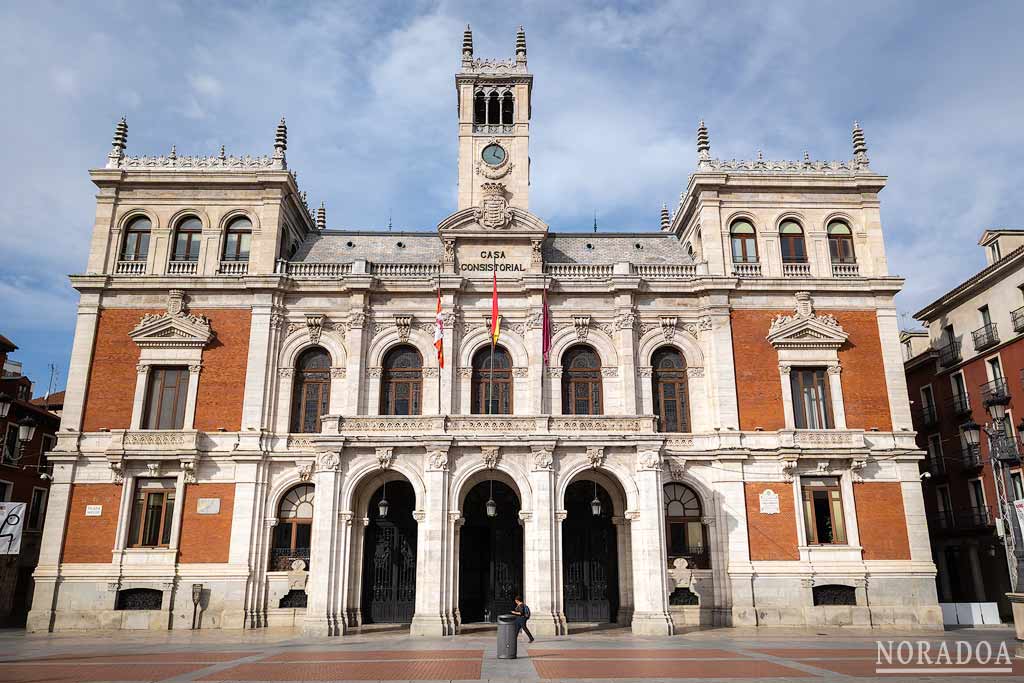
x,y
313,271
131,268
653,271
746,269
796,269
949,354
985,336
960,405
409,270
1017,316
234,267
696,557
936,465
182,267
975,518
281,558
970,457
580,271
943,520
845,270
995,391
928,415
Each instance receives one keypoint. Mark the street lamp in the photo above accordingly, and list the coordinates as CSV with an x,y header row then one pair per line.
x,y
382,506
595,505
5,404
1004,453
492,507
26,429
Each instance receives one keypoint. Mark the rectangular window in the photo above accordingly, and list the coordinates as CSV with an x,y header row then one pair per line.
x,y
1016,485
6,490
959,388
994,251
165,399
950,334
152,511
10,445
986,317
823,511
811,402
977,493
37,509
935,453
995,370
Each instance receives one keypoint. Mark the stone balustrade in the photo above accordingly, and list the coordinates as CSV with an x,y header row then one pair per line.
x,y
182,267
130,268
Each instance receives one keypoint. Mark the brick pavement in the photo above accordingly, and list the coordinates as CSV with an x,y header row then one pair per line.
x,y
714,655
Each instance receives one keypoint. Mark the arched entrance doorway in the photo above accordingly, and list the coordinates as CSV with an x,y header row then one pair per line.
x,y
389,556
490,552
590,575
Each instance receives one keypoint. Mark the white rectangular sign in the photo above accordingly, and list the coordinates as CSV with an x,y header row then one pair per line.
x,y
1018,505
208,506
769,502
93,510
12,522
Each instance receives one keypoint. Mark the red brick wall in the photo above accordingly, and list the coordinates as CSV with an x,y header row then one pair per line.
x,y
111,390
206,538
759,389
881,520
772,537
91,539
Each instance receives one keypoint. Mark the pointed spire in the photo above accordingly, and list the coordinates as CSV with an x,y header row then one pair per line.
x,y
666,219
223,154
595,220
174,153
281,143
860,146
467,46
321,217
118,144
703,145
521,46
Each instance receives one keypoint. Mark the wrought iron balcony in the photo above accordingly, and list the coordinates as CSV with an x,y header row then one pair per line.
x,y
975,518
746,269
970,457
960,405
985,336
936,466
796,269
697,557
1017,316
995,391
928,415
281,558
942,520
845,270
949,354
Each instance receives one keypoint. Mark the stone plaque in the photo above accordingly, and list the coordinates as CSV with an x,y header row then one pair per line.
x,y
208,506
769,501
93,510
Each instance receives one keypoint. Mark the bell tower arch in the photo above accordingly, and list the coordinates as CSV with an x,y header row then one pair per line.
x,y
494,125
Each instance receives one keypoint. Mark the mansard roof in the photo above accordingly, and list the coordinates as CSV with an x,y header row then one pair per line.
x,y
332,246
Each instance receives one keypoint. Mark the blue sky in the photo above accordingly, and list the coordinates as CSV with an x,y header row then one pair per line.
x,y
368,91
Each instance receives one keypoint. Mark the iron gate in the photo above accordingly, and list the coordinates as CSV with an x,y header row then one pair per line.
x,y
389,559
589,557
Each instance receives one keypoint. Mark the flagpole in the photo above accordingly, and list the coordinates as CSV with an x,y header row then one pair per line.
x,y
490,380
439,370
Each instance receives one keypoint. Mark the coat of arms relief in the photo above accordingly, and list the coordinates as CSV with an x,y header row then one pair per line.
x,y
494,212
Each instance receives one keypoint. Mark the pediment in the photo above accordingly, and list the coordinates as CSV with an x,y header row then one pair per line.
x,y
818,331
169,330
492,221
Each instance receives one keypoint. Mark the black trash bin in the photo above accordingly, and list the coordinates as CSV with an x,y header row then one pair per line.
x,y
507,639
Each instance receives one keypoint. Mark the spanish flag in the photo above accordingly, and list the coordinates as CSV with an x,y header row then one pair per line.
x,y
495,316
439,332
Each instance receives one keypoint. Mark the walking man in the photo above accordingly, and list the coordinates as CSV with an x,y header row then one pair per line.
x,y
522,614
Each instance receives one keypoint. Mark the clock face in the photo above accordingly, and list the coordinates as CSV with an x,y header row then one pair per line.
x,y
493,154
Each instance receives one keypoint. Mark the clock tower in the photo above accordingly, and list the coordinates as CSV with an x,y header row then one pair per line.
x,y
494,126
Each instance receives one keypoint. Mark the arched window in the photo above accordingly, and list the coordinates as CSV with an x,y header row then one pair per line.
x,y
581,381
312,390
136,240
507,108
791,237
402,386
493,109
840,243
294,528
670,395
480,108
236,242
744,242
492,386
683,528
186,239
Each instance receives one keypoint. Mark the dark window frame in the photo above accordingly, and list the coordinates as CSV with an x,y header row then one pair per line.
x,y
135,246
840,244
801,378
140,529
504,384
191,229
686,520
239,228
396,378
746,241
311,392
832,495
575,379
789,241
674,377
156,387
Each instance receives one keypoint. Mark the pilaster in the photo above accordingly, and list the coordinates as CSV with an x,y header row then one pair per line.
x,y
541,585
47,573
81,361
433,562
647,533
321,617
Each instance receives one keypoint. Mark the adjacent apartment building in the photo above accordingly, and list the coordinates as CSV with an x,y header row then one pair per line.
x,y
701,423
970,354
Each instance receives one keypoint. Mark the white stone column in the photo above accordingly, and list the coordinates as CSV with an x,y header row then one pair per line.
x,y
534,404
81,361
248,539
356,392
734,563
835,390
625,322
432,561
540,585
321,618
647,535
47,573
191,395
447,373
554,377
785,373
139,401
892,362
720,367
260,365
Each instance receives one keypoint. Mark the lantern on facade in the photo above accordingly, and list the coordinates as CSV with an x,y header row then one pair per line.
x,y
595,505
970,434
382,506
5,404
492,507
26,429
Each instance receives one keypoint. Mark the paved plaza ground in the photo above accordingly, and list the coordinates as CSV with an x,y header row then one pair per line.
x,y
602,654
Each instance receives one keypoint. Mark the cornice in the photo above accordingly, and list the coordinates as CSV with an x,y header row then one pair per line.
x,y
979,281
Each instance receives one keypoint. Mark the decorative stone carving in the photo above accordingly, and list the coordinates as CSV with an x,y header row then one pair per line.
x,y
822,467
374,371
385,456
464,373
595,456
356,319
645,371
198,163
173,329
404,325
857,465
695,372
555,372
297,576
625,320
680,575
610,372
648,460
314,326
449,251
491,456
494,213
788,466
188,469
117,471
195,368
437,459
668,327
536,253
338,373
707,521
582,325
305,472
835,369
804,329
676,468
543,459
328,462
142,369
285,373
535,320
785,369
153,469
431,372
521,371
